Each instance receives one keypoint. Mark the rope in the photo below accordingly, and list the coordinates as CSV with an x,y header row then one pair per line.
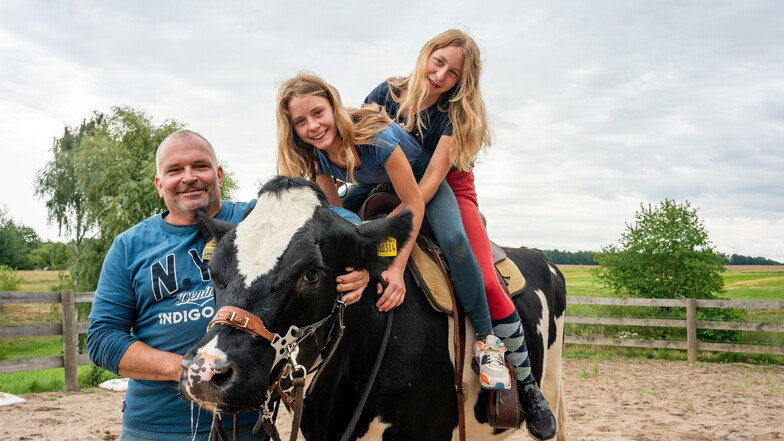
x,y
372,379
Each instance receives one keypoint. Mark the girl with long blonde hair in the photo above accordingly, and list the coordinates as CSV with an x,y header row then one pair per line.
x,y
440,103
320,139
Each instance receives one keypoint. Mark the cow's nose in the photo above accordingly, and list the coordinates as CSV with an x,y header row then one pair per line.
x,y
207,369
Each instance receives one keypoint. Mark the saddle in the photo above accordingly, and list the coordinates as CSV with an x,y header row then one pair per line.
x,y
426,261
429,269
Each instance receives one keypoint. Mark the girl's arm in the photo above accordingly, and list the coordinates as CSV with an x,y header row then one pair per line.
x,y
437,169
327,184
402,178
353,282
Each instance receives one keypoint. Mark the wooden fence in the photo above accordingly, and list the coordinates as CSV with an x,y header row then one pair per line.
x,y
71,327
691,345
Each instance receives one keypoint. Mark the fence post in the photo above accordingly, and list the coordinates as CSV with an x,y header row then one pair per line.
x,y
70,347
691,328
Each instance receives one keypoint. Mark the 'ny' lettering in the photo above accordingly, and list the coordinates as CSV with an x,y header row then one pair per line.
x,y
203,266
164,278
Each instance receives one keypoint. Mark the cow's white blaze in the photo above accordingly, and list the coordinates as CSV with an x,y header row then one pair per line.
x,y
265,234
211,349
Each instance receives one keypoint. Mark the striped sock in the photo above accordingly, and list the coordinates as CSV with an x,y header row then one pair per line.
x,y
510,330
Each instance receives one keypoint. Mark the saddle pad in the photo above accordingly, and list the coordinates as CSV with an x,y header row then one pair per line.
x,y
434,284
431,279
511,276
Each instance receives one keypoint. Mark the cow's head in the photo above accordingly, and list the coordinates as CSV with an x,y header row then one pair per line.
x,y
279,264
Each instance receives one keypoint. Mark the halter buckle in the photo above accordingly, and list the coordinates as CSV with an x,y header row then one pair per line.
x,y
239,322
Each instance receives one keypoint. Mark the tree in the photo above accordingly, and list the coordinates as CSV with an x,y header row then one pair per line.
x,y
53,255
17,242
559,257
737,259
666,253
111,162
58,184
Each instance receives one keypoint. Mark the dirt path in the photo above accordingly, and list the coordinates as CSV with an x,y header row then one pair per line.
x,y
610,400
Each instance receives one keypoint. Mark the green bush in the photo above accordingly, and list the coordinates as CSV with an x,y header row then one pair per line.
x,y
92,376
720,315
9,280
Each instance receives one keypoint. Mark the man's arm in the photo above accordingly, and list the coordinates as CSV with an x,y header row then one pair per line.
x,y
143,362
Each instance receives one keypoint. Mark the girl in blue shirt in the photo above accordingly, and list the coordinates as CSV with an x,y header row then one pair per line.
x,y
321,140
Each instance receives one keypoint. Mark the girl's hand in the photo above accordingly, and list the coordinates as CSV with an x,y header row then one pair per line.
x,y
352,284
396,289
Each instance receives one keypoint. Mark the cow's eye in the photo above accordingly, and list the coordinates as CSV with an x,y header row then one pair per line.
x,y
310,276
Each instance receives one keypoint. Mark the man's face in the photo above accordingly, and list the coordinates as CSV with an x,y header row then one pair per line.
x,y
188,179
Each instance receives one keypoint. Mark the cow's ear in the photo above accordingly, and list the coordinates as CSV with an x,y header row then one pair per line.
x,y
383,238
212,228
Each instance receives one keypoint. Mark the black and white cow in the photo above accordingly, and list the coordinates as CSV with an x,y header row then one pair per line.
x,y
280,264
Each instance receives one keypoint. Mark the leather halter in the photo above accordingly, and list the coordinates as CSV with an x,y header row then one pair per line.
x,y
241,319
251,324
286,348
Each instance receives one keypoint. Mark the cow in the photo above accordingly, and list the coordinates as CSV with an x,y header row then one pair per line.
x,y
274,279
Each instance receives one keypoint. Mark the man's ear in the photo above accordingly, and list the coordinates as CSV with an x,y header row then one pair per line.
x,y
212,228
159,186
383,238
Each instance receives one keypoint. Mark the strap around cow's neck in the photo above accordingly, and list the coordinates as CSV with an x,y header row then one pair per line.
x,y
242,320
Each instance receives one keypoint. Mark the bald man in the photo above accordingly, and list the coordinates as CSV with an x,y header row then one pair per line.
x,y
154,297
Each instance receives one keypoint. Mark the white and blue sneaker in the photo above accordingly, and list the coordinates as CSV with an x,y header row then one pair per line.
x,y
489,356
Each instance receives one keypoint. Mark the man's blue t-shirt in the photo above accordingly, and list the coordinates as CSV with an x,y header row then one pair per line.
x,y
375,156
156,288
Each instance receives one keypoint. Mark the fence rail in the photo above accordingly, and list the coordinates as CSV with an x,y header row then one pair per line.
x,y
70,328
692,344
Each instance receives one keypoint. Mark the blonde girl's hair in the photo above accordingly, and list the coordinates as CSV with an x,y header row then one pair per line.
x,y
355,127
464,103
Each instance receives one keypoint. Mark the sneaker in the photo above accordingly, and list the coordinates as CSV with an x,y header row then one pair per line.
x,y
538,416
489,355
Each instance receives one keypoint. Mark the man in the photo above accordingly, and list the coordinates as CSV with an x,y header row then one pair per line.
x,y
154,297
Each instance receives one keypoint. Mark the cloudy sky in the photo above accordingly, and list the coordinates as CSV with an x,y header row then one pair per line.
x,y
597,107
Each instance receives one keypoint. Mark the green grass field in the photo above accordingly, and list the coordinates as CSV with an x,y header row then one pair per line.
x,y
757,284
41,280
754,283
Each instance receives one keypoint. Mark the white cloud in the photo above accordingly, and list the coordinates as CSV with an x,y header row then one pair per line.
x,y
597,107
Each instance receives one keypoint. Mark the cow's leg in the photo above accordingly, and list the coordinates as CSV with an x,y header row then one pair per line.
x,y
552,381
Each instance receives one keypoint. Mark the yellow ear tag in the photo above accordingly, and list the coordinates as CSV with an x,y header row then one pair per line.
x,y
209,247
388,247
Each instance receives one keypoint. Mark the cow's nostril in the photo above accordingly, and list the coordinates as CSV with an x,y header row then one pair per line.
x,y
219,379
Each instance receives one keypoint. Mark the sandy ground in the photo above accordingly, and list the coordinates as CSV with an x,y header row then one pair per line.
x,y
609,400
